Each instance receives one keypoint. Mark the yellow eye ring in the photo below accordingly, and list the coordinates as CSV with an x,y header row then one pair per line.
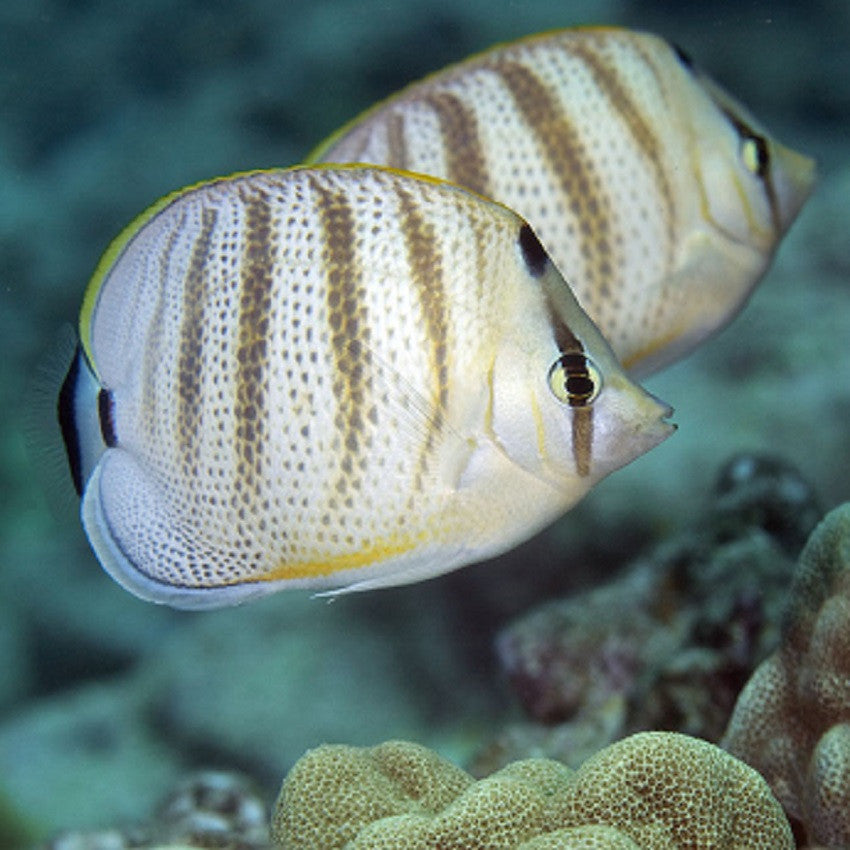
x,y
575,380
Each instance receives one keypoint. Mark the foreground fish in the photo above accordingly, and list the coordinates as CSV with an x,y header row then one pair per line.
x,y
333,378
658,196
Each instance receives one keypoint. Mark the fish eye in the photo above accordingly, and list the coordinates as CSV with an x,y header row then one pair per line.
x,y
574,380
754,153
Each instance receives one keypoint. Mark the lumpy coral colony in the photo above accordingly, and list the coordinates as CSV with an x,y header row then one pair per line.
x,y
792,721
652,791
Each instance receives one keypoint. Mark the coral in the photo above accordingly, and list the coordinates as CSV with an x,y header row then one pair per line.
x,y
792,720
827,801
207,811
332,792
653,791
669,790
703,609
590,837
211,809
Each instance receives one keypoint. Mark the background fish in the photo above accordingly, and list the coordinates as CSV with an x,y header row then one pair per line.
x,y
333,378
658,196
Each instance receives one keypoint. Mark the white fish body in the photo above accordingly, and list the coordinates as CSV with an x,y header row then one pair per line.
x,y
658,196
333,378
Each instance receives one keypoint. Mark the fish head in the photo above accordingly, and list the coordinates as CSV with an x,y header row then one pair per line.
x,y
738,191
563,407
752,186
453,398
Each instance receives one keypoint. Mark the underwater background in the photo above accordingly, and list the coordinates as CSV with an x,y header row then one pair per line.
x,y
106,702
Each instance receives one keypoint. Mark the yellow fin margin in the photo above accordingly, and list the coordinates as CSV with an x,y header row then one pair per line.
x,y
377,553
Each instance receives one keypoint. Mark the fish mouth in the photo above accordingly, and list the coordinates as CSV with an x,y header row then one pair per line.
x,y
666,411
659,427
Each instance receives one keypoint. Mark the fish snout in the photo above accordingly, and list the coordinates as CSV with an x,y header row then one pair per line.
x,y
658,426
794,177
631,421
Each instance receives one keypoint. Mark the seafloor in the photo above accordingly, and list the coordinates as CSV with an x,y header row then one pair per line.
x,y
105,701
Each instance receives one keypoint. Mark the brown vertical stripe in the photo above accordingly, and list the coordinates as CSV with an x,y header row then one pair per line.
x,y
252,360
427,276
573,166
608,80
348,322
190,356
358,142
481,231
582,438
397,146
773,203
461,142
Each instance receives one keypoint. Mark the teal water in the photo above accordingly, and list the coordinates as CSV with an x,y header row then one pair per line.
x,y
106,701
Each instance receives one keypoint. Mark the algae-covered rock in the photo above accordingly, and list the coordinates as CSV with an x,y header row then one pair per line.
x,y
670,641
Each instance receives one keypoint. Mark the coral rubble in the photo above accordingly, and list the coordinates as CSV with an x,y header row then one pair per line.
x,y
209,809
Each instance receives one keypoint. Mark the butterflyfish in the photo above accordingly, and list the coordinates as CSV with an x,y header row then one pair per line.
x,y
660,198
333,378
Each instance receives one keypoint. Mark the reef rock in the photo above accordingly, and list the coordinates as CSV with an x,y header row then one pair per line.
x,y
671,642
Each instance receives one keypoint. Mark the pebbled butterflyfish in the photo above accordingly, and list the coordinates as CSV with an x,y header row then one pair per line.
x,y
659,197
336,378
